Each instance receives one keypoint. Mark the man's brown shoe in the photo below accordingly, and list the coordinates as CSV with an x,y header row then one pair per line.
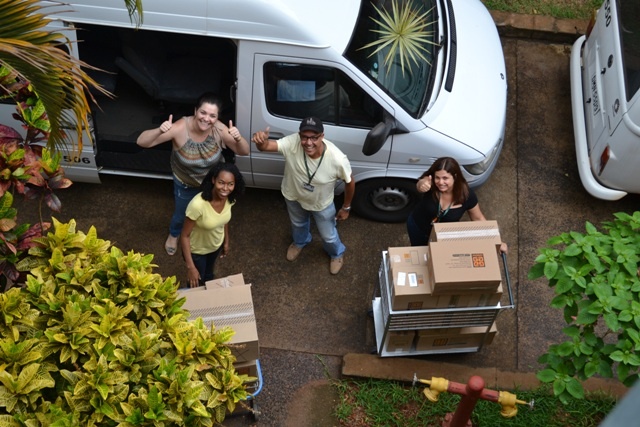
x,y
336,265
293,252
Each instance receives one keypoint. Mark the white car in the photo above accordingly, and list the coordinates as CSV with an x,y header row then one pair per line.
x,y
605,78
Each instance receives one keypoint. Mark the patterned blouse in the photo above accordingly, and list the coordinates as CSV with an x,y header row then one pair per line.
x,y
191,162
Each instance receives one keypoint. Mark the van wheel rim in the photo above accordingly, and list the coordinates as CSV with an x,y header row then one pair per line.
x,y
389,199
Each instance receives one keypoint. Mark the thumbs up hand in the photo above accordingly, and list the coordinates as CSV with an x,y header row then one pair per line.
x,y
165,126
261,137
234,132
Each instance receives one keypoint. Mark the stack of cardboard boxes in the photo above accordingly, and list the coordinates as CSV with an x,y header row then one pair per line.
x,y
459,269
228,302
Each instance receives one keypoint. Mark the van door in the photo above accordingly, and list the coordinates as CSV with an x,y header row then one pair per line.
x,y
286,90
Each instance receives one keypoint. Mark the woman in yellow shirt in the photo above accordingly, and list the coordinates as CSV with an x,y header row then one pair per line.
x,y
205,233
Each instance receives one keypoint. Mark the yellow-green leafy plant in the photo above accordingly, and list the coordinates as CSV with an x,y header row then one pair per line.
x,y
404,32
96,338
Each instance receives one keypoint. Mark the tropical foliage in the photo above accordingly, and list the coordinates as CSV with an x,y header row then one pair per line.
x,y
96,338
26,168
403,32
35,54
596,279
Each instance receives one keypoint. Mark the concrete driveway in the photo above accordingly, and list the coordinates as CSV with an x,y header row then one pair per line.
x,y
308,319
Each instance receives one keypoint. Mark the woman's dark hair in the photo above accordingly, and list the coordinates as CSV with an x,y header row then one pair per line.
x,y
460,187
207,182
209,98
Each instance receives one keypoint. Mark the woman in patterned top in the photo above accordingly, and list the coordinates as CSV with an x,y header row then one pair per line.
x,y
197,141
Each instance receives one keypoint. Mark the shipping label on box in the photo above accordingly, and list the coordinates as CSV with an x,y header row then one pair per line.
x,y
462,265
466,230
226,282
406,257
411,290
232,307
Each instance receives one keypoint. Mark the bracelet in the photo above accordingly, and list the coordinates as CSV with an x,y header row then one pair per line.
x,y
346,208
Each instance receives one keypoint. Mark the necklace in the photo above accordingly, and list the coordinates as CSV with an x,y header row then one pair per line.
x,y
441,214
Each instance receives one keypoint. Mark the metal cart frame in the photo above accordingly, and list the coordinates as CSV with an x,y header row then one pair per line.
x,y
385,319
254,388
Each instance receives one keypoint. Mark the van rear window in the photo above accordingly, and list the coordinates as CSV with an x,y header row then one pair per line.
x,y
629,18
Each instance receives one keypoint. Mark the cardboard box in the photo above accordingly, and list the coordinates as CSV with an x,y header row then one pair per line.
x,y
460,266
471,299
249,368
408,257
226,282
466,230
466,338
233,307
439,331
411,289
184,291
400,340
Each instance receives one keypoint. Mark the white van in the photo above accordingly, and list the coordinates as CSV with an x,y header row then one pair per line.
x,y
391,124
605,78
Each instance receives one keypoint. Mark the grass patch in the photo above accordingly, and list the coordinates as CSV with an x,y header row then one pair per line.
x,y
573,9
378,403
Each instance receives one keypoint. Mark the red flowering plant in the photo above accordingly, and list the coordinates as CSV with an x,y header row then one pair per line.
x,y
27,167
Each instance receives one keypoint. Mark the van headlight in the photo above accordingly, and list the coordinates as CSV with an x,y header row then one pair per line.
x,y
481,167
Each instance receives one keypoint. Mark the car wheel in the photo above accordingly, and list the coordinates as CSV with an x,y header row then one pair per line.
x,y
385,200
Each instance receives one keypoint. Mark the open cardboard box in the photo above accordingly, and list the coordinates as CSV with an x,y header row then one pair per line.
x,y
225,282
228,306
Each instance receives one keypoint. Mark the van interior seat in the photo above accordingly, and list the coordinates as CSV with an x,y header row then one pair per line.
x,y
169,74
97,49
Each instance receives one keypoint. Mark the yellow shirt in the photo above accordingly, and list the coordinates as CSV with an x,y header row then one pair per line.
x,y
208,233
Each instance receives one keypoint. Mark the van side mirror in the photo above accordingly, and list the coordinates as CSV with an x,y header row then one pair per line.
x,y
377,136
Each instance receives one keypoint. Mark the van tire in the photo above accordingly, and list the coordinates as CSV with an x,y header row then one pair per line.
x,y
385,199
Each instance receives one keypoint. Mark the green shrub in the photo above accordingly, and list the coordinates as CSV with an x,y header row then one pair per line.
x,y
596,279
96,338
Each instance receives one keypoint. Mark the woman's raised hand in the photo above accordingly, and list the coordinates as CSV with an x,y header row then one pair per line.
x,y
165,126
424,184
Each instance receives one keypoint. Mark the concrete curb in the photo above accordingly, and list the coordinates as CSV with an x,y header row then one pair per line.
x,y
402,369
539,27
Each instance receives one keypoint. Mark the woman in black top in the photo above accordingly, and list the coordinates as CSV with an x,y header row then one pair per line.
x,y
446,198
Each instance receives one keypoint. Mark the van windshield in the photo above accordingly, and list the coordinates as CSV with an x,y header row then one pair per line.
x,y
629,16
405,73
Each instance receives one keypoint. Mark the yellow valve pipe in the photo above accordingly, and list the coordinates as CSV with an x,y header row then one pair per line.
x,y
505,399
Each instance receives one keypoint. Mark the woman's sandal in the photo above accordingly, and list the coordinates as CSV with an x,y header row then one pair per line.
x,y
171,245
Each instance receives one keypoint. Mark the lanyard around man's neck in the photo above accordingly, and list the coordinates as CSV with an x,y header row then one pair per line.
x,y
304,156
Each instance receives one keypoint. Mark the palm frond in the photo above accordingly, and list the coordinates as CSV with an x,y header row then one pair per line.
x,y
404,32
38,56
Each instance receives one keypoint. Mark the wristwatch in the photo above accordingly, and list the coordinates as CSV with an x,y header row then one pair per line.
x,y
346,208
